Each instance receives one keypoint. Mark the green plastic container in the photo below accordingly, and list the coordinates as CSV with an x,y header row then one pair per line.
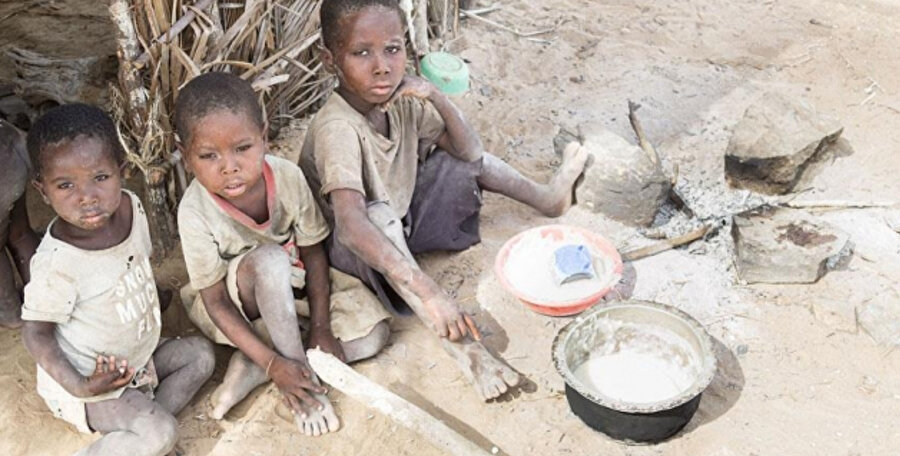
x,y
447,71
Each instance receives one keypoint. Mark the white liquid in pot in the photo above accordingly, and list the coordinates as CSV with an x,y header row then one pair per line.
x,y
635,377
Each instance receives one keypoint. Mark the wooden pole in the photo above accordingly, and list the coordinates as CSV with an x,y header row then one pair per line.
x,y
159,215
348,381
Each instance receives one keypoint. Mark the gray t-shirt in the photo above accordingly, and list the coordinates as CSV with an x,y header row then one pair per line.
x,y
102,301
213,232
344,151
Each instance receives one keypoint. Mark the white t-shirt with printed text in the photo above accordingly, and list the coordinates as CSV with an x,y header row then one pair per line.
x,y
102,301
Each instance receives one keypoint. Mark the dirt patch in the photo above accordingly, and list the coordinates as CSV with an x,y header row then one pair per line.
x,y
803,235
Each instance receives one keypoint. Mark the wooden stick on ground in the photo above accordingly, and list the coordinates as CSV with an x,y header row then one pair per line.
x,y
836,204
371,394
664,245
472,15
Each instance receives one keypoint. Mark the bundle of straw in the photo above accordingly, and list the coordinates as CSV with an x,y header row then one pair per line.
x,y
165,43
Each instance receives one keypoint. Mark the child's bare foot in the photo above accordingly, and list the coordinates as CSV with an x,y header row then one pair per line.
x,y
560,189
490,376
319,422
241,377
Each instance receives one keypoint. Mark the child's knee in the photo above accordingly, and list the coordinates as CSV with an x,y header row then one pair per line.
x,y
204,356
160,434
265,259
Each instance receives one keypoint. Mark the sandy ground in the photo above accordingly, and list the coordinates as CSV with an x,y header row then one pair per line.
x,y
796,374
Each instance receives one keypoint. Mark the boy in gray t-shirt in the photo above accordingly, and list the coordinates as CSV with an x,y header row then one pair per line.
x,y
92,315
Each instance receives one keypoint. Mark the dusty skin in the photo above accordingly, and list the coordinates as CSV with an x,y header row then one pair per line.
x,y
797,375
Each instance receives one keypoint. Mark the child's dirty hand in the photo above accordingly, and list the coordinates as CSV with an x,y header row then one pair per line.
x,y
449,321
108,376
324,340
295,381
411,86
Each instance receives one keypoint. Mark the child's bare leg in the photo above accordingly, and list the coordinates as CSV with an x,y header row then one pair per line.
x,y
552,199
132,424
10,303
241,377
490,376
263,279
183,365
369,345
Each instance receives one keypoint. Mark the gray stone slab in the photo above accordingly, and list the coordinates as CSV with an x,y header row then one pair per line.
x,y
785,246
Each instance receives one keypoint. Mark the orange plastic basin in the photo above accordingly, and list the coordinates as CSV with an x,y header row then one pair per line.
x,y
598,245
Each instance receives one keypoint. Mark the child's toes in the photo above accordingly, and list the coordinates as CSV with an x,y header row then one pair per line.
x,y
490,391
510,377
501,387
316,429
333,423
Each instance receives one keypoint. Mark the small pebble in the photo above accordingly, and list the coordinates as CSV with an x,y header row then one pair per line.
x,y
742,349
495,450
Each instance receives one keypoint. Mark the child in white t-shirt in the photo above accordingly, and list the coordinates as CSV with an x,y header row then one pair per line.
x,y
92,314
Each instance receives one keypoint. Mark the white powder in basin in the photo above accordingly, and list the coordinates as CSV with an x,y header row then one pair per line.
x,y
529,269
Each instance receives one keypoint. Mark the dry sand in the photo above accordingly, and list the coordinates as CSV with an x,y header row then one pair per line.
x,y
796,375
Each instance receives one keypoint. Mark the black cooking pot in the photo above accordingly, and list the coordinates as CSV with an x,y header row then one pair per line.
x,y
637,422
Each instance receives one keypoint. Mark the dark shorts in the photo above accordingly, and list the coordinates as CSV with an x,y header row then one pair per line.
x,y
443,215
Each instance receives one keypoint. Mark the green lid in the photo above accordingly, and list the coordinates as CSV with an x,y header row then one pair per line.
x,y
447,71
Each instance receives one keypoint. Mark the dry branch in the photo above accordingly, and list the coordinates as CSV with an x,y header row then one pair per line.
x,y
639,132
183,22
472,15
668,244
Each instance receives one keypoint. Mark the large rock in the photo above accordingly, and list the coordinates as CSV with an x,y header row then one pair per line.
x,y
785,246
621,181
775,142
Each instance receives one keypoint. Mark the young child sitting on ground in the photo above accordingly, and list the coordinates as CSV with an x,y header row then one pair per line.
x,y
15,232
252,238
92,315
368,156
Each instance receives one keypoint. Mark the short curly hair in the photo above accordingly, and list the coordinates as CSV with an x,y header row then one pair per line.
x,y
67,122
211,92
333,11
